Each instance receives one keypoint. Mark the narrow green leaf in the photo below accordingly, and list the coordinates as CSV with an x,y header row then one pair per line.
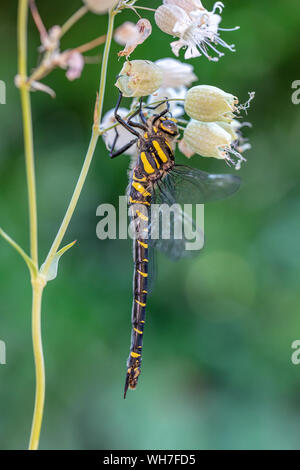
x,y
52,271
26,258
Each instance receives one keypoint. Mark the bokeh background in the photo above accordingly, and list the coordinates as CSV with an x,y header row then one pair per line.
x,y
217,370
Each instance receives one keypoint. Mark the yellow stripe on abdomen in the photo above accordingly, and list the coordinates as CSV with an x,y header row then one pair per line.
x,y
140,188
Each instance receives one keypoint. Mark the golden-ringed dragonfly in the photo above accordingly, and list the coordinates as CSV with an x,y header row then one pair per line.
x,y
156,178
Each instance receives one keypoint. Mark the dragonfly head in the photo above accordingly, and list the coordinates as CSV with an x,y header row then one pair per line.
x,y
168,125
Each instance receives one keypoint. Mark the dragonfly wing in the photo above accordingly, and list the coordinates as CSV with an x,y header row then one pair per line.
x,y
184,185
193,186
166,229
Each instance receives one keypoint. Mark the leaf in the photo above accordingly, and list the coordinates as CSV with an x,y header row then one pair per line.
x,y
31,266
52,271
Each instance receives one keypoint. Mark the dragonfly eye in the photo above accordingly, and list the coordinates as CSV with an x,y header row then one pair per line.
x,y
169,126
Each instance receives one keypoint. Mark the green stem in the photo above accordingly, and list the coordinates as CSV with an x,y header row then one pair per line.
x,y
90,152
27,127
36,280
37,292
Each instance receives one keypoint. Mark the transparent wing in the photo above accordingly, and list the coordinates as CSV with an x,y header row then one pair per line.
x,y
193,186
184,185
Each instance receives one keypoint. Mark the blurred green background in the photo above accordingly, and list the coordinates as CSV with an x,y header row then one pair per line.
x,y
217,370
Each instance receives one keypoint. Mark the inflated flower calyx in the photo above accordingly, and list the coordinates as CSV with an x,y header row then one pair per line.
x,y
207,139
139,78
209,104
166,17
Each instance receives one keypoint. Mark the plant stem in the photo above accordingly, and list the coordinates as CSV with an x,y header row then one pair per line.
x,y
27,127
90,152
37,291
104,67
90,45
36,280
142,8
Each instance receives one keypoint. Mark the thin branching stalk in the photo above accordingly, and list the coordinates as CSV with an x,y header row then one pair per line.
x,y
90,153
73,19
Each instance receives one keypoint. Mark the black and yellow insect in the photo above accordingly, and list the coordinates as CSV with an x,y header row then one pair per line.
x,y
156,178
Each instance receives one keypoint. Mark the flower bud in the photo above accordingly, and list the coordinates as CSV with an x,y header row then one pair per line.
x,y
139,78
209,104
100,6
207,139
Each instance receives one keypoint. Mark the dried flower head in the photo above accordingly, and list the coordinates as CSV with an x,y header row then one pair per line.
x,y
71,60
208,103
138,34
196,27
139,78
124,32
100,6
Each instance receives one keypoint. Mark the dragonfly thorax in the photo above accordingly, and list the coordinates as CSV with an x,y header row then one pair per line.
x,y
156,155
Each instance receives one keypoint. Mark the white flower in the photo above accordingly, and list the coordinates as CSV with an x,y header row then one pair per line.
x,y
176,77
176,108
124,135
186,5
197,28
175,73
209,139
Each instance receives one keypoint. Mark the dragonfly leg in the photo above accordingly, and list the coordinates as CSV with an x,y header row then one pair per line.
x,y
121,120
123,149
111,150
157,105
141,114
137,124
165,111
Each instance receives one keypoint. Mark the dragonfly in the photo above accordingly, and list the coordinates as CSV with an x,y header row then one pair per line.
x,y
157,179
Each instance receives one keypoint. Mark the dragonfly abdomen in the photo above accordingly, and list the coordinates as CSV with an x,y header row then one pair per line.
x,y
139,197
